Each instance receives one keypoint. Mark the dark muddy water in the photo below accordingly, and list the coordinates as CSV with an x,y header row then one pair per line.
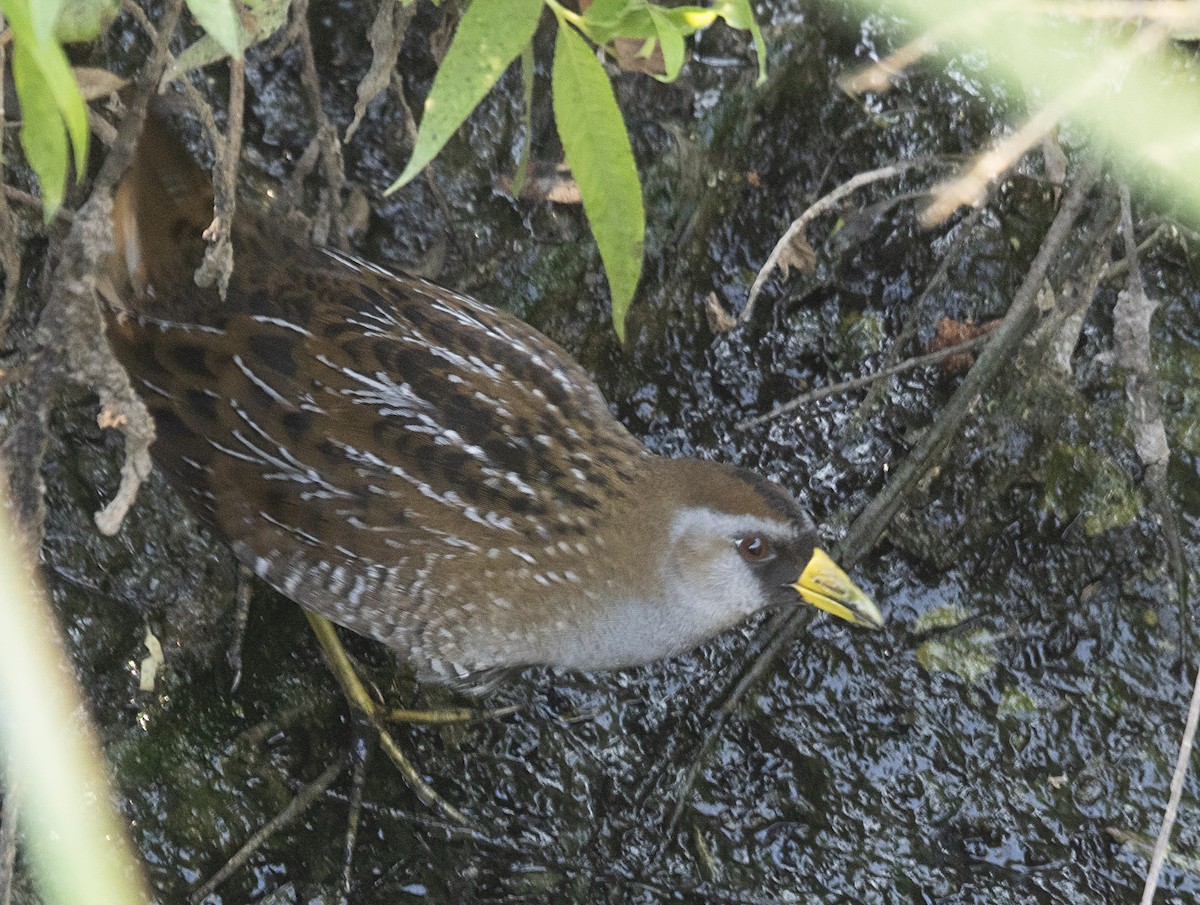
x,y
1000,742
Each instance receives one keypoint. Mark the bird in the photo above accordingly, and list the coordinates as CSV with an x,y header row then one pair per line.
x,y
425,469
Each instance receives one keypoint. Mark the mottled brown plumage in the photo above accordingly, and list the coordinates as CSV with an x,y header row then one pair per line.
x,y
425,469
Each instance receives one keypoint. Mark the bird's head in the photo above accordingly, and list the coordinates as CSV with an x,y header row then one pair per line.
x,y
738,543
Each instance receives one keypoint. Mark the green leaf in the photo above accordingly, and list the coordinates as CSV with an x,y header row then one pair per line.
x,y
690,19
44,15
265,18
43,135
738,14
604,21
601,160
53,84
85,20
490,36
528,68
220,20
58,80
671,39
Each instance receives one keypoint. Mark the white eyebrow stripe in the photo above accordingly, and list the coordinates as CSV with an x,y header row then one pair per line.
x,y
701,518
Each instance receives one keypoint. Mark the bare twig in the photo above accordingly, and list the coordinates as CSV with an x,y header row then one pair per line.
x,y
70,328
1021,316
10,253
1120,267
386,37
241,615
878,76
217,266
330,224
796,230
1163,842
1131,334
968,187
1058,333
304,799
917,361
26,199
139,16
358,783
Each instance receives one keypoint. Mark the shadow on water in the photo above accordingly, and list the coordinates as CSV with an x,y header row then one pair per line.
x,y
1001,742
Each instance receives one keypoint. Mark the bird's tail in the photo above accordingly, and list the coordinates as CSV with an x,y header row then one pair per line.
x,y
160,211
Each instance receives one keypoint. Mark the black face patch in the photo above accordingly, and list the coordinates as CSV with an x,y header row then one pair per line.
x,y
780,572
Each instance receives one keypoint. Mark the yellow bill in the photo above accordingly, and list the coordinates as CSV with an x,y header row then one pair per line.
x,y
828,588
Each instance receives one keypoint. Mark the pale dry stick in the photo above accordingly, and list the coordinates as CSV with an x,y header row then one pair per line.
x,y
27,199
877,77
1181,769
139,16
969,187
779,631
818,207
304,799
917,361
1120,267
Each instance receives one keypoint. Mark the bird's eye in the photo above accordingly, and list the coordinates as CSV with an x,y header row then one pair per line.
x,y
754,547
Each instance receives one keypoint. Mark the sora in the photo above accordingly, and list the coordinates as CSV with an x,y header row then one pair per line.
x,y
424,469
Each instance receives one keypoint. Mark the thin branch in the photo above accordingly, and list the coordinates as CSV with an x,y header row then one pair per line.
x,y
968,187
820,206
1120,267
358,782
330,224
878,76
1131,334
70,327
917,361
1181,768
217,266
1021,316
29,200
10,252
304,799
